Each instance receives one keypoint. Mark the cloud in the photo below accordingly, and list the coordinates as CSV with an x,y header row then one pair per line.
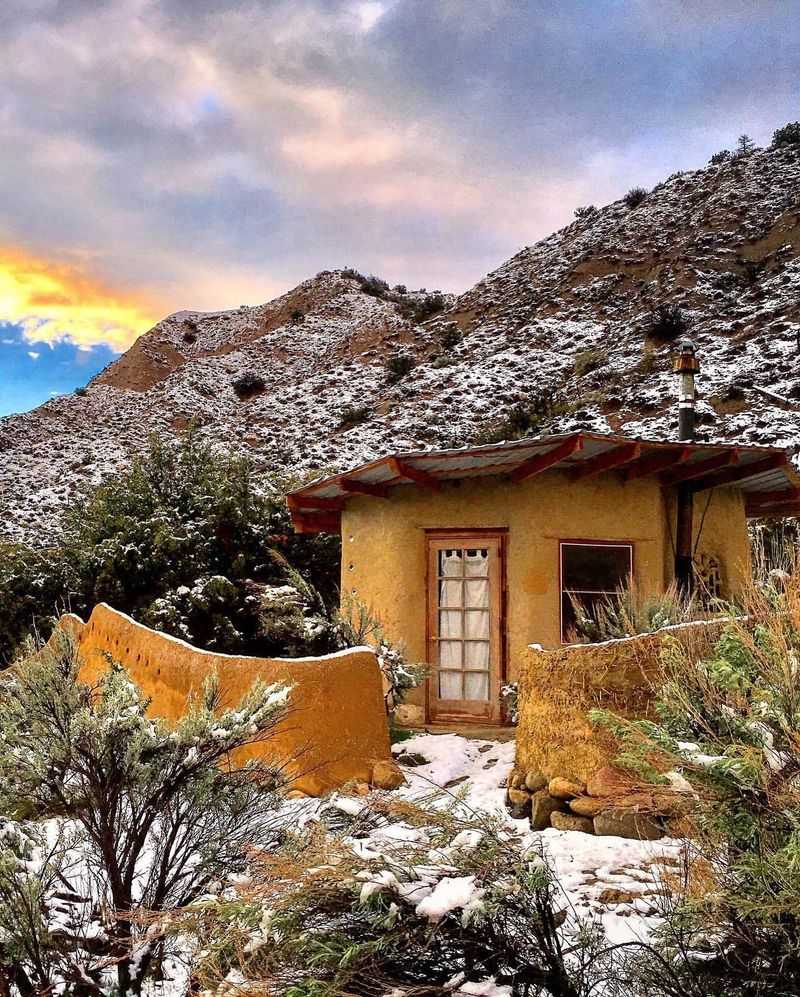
x,y
53,302
217,152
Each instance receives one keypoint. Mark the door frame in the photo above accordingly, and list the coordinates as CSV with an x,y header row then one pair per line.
x,y
435,540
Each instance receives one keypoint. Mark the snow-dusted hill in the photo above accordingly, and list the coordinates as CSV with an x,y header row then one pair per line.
x,y
562,330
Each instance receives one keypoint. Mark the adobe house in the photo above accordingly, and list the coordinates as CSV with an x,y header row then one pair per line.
x,y
468,556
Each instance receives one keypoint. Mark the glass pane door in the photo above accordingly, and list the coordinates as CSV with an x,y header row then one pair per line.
x,y
464,638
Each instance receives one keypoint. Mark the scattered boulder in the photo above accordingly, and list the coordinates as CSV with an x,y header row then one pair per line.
x,y
571,822
615,896
516,779
587,806
534,781
543,806
518,802
565,789
411,759
609,781
387,775
626,822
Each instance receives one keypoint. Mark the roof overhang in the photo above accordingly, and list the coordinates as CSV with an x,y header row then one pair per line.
x,y
765,475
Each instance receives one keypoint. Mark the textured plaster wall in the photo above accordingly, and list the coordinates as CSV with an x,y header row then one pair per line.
x,y
721,524
559,687
384,545
336,729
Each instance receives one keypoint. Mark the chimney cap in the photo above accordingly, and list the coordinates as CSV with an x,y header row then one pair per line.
x,y
687,346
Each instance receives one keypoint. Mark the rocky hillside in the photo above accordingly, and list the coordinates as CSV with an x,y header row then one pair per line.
x,y
575,331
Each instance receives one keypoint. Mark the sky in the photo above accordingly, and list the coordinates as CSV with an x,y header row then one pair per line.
x,y
166,154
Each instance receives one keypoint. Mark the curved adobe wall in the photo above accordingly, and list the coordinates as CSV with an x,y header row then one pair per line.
x,y
558,688
336,729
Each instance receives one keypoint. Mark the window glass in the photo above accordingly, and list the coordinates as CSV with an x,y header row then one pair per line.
x,y
594,568
591,575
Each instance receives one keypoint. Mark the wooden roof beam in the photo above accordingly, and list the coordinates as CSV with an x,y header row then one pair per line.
x,y
541,462
701,468
733,474
404,470
774,498
781,510
655,463
607,461
316,522
301,502
363,488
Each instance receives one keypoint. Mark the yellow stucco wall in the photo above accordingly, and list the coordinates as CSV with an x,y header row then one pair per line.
x,y
384,545
721,524
336,729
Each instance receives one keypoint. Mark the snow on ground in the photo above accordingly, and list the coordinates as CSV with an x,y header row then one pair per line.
x,y
625,873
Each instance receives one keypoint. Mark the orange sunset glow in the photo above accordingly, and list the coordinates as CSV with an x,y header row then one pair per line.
x,y
55,302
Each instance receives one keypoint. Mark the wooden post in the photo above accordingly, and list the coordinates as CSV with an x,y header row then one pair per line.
x,y
686,364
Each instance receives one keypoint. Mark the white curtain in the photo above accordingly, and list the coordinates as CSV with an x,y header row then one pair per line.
x,y
476,685
450,653
476,593
450,685
476,624
476,655
476,563
451,622
451,593
450,563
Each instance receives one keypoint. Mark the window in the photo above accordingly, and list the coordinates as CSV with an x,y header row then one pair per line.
x,y
591,573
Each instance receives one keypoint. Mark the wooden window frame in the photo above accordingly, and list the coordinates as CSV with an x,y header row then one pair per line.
x,y
585,542
435,540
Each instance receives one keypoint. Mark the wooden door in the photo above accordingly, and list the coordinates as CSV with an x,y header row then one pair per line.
x,y
465,627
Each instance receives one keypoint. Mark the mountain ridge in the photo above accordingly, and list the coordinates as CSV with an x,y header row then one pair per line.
x,y
574,332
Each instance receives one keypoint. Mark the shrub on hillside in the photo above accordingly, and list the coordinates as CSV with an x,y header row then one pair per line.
x,y
450,337
720,157
789,134
297,317
418,309
248,384
142,819
666,323
587,361
744,146
521,420
188,540
635,197
374,286
585,211
398,365
353,415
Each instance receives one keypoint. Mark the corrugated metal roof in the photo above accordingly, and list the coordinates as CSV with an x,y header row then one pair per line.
x,y
720,463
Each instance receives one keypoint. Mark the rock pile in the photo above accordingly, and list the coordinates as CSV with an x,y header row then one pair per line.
x,y
609,803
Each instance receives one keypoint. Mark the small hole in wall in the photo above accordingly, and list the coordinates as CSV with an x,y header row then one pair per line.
x,y
353,591
350,566
351,538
